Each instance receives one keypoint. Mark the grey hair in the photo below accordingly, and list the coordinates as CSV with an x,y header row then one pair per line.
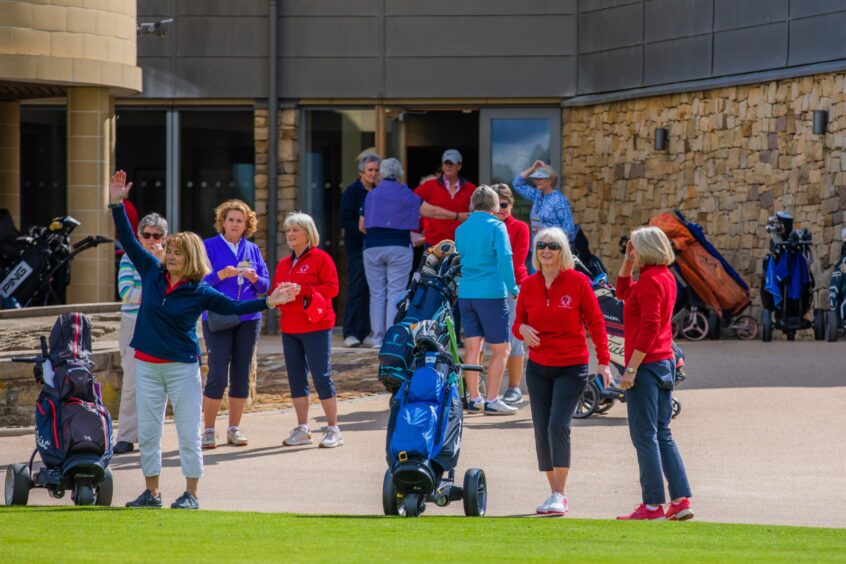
x,y
391,169
153,220
367,158
484,199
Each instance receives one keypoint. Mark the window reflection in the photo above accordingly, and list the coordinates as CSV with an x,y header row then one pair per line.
x,y
515,145
43,165
140,150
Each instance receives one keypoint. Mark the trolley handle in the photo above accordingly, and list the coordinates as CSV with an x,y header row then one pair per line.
x,y
473,367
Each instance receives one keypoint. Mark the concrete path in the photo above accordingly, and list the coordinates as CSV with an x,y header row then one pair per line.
x,y
761,433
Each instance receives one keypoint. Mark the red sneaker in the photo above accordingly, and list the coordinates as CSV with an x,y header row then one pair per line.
x,y
679,511
642,513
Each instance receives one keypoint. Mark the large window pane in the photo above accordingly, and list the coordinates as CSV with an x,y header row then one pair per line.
x,y
217,159
141,150
515,145
43,164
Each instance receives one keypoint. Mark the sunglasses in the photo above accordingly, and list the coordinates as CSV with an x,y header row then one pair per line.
x,y
504,205
155,236
551,245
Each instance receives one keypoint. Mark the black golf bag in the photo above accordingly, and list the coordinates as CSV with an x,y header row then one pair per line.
x,y
836,315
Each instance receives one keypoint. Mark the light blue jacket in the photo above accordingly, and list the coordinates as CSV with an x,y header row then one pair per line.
x,y
487,271
550,210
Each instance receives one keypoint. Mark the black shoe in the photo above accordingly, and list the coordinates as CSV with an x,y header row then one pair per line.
x,y
185,501
123,447
147,499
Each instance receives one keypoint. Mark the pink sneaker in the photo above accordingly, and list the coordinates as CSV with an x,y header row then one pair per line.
x,y
679,511
642,513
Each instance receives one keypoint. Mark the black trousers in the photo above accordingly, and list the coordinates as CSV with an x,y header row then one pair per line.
x,y
554,393
357,308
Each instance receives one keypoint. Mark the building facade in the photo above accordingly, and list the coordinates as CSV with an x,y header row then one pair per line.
x,y
272,101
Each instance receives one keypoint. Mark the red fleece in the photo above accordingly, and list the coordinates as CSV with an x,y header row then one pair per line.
x,y
648,313
314,271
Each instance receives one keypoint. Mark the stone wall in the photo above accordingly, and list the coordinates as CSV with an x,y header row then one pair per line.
x,y
288,155
735,156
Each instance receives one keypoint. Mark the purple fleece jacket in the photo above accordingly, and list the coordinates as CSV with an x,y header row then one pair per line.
x,y
220,256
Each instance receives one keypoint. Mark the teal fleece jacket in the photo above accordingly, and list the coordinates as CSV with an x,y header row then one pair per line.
x,y
487,271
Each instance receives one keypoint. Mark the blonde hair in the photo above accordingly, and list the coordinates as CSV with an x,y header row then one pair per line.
x,y
504,192
250,219
197,264
484,199
652,246
554,235
305,222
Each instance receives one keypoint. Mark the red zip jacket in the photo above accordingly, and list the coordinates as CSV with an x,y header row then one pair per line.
x,y
648,312
518,236
559,315
314,271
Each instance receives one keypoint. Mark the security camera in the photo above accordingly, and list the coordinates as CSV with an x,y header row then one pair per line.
x,y
154,28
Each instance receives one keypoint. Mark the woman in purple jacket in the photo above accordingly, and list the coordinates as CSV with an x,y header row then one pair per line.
x,y
239,272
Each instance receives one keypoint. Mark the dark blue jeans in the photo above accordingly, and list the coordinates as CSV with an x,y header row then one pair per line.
x,y
650,411
230,354
309,352
357,308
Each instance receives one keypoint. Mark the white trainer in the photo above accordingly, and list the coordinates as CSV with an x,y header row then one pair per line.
x,y
332,438
555,504
499,407
352,342
299,436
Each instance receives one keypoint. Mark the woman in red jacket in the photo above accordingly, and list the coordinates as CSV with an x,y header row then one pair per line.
x,y
650,373
518,236
306,320
553,308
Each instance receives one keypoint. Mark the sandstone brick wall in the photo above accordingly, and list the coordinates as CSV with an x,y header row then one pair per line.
x,y
735,156
288,154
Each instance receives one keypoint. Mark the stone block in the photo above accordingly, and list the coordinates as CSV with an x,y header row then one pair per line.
x,y
16,14
80,21
49,17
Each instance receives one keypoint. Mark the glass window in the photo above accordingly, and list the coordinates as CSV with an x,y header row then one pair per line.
x,y
43,164
217,158
516,144
141,150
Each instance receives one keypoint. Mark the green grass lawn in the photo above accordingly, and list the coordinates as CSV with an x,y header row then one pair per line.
x,y
100,534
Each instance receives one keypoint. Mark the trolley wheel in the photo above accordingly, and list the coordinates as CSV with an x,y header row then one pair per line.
x,y
83,492
694,326
676,408
414,505
105,489
819,324
389,494
18,484
475,493
832,327
745,327
713,326
766,325
588,402
604,406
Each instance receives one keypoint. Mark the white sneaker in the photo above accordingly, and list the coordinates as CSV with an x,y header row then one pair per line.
x,y
499,407
368,341
299,436
209,439
555,504
332,438
351,342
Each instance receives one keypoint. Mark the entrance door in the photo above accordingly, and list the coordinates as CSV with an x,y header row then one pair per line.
x,y
427,134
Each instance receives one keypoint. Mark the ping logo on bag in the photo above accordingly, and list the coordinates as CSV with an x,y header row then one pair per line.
x,y
15,278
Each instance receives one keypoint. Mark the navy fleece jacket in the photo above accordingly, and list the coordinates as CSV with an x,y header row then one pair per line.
x,y
167,324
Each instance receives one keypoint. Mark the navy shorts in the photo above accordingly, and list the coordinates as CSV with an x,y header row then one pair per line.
x,y
486,318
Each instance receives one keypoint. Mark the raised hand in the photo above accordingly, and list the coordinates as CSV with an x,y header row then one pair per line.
x,y
118,188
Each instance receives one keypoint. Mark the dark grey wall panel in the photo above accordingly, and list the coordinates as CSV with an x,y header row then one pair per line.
x,y
221,37
221,7
611,28
158,77
731,14
688,58
480,36
330,7
478,7
818,38
478,77
238,77
591,5
330,77
801,8
155,7
671,19
611,70
329,37
750,49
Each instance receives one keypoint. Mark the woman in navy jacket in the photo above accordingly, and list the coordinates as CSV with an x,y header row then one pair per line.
x,y
167,354
238,271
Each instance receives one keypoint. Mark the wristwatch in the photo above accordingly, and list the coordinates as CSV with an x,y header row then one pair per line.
x,y
630,370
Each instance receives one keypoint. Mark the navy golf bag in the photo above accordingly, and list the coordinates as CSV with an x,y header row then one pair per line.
x,y
73,429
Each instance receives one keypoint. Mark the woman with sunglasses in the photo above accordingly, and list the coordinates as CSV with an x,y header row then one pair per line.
x,y
518,236
554,306
152,230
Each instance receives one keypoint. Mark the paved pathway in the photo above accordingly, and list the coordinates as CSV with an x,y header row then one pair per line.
x,y
761,433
